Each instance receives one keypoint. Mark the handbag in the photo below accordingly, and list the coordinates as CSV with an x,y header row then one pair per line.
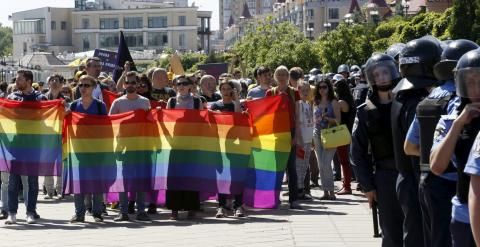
x,y
335,137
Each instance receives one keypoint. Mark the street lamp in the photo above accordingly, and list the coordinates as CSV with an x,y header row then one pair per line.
x,y
406,6
327,26
310,33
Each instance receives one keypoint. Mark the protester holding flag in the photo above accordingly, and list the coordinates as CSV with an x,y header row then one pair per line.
x,y
24,92
87,104
230,102
179,199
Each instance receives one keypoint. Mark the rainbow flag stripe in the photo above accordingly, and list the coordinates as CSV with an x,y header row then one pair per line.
x,y
271,144
31,137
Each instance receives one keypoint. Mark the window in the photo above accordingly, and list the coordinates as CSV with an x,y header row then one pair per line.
x,y
333,13
86,43
134,39
85,23
158,39
181,40
182,20
132,22
108,39
310,12
108,23
29,27
63,25
53,25
24,47
157,22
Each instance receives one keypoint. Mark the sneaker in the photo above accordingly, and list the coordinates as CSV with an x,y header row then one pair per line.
x,y
239,212
3,215
104,210
121,217
152,208
44,190
221,213
31,219
11,219
174,215
77,219
295,205
49,196
143,217
97,218
305,197
36,216
89,211
344,191
131,207
59,197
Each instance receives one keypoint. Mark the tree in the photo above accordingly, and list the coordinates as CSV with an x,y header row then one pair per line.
x,y
6,40
274,45
463,17
346,44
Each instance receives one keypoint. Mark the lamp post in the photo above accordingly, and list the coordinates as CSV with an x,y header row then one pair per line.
x,y
310,33
327,26
406,6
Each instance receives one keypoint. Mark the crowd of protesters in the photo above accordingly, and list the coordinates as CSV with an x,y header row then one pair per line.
x,y
412,114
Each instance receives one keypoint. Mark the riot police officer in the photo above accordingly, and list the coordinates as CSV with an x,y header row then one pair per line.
x,y
416,61
375,169
394,50
454,138
435,192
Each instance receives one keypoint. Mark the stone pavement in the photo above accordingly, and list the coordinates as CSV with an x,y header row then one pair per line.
x,y
344,222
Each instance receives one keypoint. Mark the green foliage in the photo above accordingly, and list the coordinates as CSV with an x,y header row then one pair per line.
x,y
275,45
6,40
345,44
463,16
189,60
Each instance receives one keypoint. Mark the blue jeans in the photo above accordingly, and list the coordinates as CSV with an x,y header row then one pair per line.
x,y
13,189
80,204
139,199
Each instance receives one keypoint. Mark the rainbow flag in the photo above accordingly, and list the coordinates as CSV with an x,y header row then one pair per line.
x,y
271,144
202,151
108,153
31,137
157,150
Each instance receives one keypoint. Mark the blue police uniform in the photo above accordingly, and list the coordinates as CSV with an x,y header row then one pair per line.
x,y
436,192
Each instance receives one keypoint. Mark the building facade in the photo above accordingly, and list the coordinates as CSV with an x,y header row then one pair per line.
x,y
147,25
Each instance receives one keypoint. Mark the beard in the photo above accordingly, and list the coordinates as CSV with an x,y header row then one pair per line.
x,y
131,89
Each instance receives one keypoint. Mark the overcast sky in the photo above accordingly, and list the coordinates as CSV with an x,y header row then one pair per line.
x,y
20,5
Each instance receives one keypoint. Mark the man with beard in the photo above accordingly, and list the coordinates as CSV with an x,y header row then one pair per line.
x,y
131,101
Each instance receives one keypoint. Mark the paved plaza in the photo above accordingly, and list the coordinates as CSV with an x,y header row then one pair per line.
x,y
344,222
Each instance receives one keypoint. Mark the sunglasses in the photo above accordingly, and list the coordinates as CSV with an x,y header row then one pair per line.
x,y
130,82
84,85
183,83
322,87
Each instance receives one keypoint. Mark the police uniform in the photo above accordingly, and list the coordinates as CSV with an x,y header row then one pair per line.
x,y
375,168
435,192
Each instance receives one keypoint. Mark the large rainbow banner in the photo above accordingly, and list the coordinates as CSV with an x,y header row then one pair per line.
x,y
271,144
31,137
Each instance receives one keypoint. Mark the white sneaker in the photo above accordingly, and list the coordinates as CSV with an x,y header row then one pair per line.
x,y
11,219
221,213
240,212
30,219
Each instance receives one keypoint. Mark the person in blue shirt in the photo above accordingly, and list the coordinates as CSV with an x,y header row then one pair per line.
x,y
436,192
87,104
453,140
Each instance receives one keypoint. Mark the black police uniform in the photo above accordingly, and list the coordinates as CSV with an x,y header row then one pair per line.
x,y
372,158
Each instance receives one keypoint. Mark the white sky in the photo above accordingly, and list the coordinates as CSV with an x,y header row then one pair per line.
x,y
21,5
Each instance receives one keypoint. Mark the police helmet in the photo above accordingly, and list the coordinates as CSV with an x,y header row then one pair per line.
x,y
395,49
355,68
315,71
343,69
381,68
467,75
416,64
444,69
